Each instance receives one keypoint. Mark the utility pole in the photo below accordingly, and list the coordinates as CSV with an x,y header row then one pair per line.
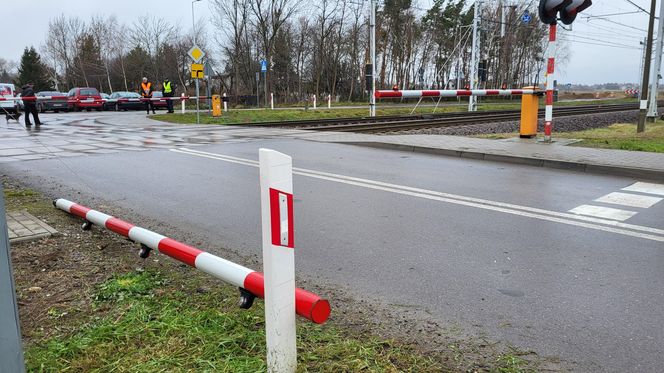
x,y
643,103
502,19
372,26
474,56
654,76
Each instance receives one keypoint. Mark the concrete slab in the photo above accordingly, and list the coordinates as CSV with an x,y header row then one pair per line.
x,y
23,226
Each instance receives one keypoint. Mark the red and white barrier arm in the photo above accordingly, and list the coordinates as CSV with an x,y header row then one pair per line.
x,y
307,304
36,98
452,93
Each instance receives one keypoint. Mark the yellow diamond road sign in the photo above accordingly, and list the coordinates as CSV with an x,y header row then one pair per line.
x,y
196,53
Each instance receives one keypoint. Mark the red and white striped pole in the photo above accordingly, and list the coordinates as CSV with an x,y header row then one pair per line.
x,y
548,111
251,283
276,182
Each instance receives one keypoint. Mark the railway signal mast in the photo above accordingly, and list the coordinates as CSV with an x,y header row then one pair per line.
x,y
548,13
474,55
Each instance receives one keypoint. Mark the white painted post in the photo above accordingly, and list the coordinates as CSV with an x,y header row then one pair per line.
x,y
276,181
314,101
182,103
225,103
329,101
271,100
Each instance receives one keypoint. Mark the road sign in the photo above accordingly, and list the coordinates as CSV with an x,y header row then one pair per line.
x,y
525,18
196,54
197,70
263,66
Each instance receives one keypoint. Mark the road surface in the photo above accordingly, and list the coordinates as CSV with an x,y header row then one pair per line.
x,y
490,247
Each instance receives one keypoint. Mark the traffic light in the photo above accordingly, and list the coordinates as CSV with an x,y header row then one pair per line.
x,y
368,70
568,9
482,71
568,14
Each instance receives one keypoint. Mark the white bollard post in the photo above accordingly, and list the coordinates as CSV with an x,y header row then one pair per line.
x,y
329,101
271,100
225,103
276,182
314,101
182,103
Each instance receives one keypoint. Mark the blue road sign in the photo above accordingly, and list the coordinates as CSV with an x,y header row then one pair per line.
x,y
526,17
263,66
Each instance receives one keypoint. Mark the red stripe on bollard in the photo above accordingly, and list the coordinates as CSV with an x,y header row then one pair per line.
x,y
549,98
549,66
119,226
79,210
177,250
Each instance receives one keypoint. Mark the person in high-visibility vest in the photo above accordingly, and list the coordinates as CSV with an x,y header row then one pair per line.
x,y
167,90
146,92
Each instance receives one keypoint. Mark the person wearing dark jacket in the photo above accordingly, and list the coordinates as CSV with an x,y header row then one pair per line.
x,y
30,105
167,90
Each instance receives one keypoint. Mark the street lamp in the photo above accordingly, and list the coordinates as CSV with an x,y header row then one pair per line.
x,y
193,22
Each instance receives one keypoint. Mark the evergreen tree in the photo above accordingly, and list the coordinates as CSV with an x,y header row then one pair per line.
x,y
33,70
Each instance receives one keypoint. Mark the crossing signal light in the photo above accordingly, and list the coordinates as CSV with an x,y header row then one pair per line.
x,y
568,9
568,14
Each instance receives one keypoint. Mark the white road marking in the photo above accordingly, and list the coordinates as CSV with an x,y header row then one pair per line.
x,y
525,211
603,212
627,199
648,188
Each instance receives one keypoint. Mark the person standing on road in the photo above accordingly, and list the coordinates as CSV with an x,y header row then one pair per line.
x,y
146,92
30,105
167,90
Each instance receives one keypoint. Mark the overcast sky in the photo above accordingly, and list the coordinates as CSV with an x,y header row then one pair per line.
x,y
617,59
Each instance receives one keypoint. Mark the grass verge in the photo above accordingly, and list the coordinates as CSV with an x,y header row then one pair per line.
x,y
257,116
621,136
87,303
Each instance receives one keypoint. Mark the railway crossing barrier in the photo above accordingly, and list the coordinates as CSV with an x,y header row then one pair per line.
x,y
529,101
277,285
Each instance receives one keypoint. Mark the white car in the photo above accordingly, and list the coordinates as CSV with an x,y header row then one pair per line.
x,y
7,91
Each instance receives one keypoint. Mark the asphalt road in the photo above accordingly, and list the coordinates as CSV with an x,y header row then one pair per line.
x,y
486,246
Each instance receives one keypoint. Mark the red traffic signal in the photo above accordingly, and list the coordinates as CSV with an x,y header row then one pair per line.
x,y
568,9
568,14
548,10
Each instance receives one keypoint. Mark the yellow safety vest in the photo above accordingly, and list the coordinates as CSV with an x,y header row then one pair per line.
x,y
167,87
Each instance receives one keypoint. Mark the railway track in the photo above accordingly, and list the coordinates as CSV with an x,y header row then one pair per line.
x,y
375,125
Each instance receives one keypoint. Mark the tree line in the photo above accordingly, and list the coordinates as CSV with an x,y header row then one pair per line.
x,y
316,48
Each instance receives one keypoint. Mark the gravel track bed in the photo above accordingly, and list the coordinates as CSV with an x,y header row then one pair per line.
x,y
562,124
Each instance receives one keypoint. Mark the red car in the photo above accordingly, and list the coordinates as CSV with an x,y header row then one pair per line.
x,y
87,98
158,104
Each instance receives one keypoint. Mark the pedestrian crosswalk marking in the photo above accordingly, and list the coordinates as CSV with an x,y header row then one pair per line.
x,y
647,188
603,212
627,199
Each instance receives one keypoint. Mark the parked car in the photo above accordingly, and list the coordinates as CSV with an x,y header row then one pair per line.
x,y
87,98
108,103
127,101
7,90
57,103
158,104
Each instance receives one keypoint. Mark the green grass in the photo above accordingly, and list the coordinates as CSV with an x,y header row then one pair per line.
x,y
152,324
621,136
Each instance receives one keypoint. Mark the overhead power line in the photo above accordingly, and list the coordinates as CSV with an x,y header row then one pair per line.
x,y
636,5
591,17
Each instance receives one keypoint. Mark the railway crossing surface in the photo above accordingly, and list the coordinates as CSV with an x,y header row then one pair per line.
x,y
561,262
